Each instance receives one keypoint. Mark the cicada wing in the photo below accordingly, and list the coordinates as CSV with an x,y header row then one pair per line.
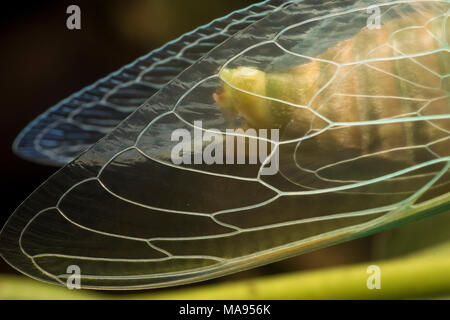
x,y
146,207
61,133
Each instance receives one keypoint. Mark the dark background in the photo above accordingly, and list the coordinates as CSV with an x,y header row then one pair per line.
x,y
42,62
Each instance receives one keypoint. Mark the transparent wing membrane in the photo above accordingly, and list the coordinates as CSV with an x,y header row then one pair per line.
x,y
61,133
357,118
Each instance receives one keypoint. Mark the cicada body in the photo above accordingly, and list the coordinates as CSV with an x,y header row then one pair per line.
x,y
317,124
356,95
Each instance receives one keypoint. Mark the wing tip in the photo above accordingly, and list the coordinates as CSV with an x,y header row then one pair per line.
x,y
32,155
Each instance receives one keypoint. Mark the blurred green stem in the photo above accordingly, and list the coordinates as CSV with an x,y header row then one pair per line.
x,y
419,276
